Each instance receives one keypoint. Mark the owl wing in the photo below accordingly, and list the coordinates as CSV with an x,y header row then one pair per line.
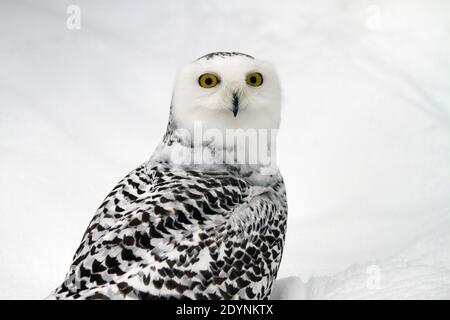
x,y
157,222
125,195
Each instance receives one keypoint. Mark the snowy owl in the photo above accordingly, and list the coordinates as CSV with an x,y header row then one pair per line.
x,y
198,220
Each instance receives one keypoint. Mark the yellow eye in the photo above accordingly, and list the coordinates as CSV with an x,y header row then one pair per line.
x,y
208,80
254,79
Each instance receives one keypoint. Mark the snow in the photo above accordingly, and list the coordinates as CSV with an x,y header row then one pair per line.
x,y
364,145
419,272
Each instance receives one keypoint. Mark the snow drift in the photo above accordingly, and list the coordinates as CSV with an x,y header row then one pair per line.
x,y
364,145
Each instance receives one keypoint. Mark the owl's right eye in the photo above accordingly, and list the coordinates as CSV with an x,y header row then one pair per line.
x,y
208,80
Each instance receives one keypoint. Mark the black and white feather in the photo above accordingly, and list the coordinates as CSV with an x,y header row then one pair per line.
x,y
172,230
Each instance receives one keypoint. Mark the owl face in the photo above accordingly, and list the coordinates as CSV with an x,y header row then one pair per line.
x,y
227,91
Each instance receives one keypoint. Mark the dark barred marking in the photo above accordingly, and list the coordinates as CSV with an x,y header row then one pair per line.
x,y
224,55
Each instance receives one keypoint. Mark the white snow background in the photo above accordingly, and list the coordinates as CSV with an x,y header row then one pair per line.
x,y
364,145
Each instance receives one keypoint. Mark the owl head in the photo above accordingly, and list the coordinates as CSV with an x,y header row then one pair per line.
x,y
227,90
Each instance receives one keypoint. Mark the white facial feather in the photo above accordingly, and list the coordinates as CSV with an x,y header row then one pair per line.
x,y
259,107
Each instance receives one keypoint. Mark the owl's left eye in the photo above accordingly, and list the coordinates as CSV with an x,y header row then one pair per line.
x,y
208,80
254,79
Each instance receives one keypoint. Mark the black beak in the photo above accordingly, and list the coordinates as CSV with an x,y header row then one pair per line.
x,y
235,104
